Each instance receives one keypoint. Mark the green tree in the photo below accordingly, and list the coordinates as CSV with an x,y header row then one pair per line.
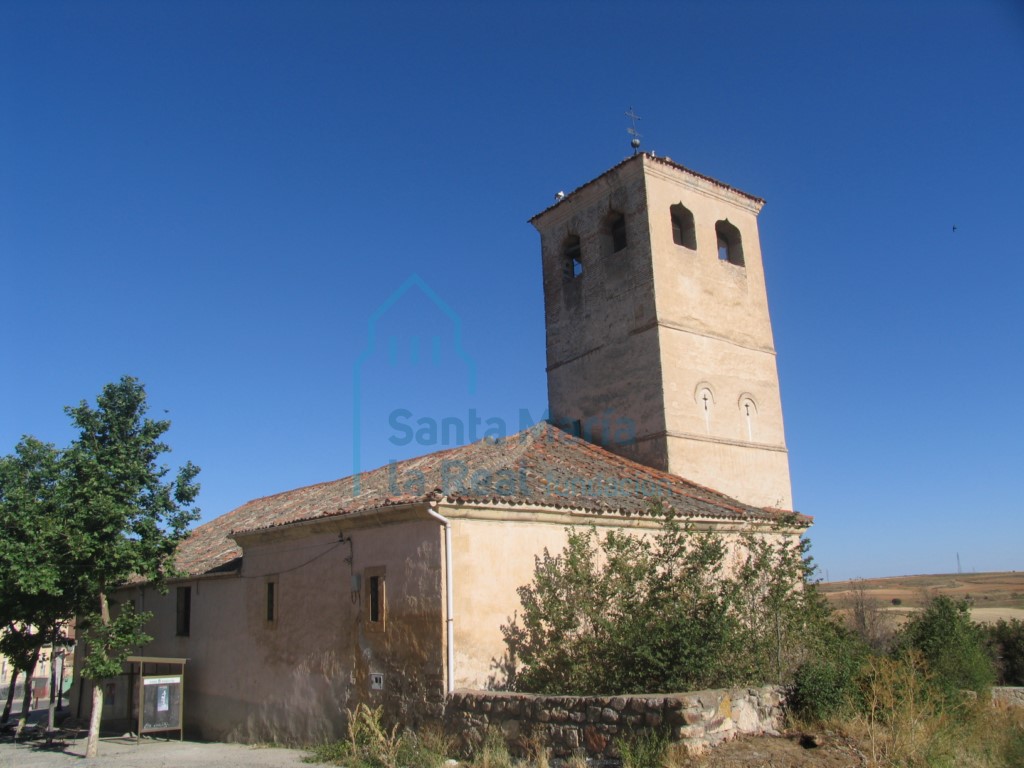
x,y
1006,639
124,520
668,611
952,646
36,596
783,619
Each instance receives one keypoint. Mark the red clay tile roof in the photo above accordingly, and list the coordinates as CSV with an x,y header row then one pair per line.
x,y
663,161
541,466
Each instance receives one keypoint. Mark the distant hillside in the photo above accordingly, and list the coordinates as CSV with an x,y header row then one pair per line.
x,y
992,595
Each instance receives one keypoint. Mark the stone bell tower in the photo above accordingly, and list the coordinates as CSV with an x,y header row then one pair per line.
x,y
659,344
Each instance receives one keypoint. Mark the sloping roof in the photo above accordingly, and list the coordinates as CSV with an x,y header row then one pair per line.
x,y
664,161
541,466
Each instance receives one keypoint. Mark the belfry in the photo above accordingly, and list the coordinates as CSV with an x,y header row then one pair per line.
x,y
659,342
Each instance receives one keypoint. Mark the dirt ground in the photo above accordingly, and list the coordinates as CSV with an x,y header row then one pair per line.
x,y
150,753
762,752
782,752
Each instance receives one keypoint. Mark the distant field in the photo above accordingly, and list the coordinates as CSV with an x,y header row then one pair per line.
x,y
993,596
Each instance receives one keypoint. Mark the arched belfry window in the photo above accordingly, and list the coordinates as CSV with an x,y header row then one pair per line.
x,y
614,232
705,404
683,231
571,258
730,245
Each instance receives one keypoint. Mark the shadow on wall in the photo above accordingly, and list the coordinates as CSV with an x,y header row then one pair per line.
x,y
503,674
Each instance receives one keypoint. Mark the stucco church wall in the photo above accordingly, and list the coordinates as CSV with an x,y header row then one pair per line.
x,y
290,680
492,558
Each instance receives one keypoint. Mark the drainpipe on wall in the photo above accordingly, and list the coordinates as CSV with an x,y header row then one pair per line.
x,y
450,607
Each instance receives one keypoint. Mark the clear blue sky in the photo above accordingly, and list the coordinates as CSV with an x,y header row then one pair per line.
x,y
217,197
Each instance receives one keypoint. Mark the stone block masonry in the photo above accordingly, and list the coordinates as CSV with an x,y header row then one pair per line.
x,y
593,724
1008,696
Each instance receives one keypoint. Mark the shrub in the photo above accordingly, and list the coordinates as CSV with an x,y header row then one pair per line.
x,y
493,751
865,617
371,745
826,686
953,647
1006,642
371,740
334,753
538,752
900,709
642,749
623,614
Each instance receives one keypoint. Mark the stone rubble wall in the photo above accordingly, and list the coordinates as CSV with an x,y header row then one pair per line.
x,y
1010,696
568,724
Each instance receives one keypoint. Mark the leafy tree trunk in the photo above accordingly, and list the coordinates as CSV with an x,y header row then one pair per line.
x,y
778,647
10,695
53,675
26,701
93,744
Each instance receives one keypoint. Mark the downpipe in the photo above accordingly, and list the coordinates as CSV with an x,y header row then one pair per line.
x,y
449,594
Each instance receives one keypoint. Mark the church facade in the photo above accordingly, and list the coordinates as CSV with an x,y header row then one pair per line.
x,y
662,380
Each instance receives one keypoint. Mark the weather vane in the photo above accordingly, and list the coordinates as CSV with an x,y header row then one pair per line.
x,y
635,141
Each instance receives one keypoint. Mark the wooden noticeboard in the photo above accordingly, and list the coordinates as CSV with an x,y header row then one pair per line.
x,y
160,694
160,703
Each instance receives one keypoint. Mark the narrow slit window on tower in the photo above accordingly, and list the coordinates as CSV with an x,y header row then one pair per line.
x,y
730,245
684,232
573,262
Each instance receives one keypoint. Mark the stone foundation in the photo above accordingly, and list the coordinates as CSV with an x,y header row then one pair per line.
x,y
567,724
1010,696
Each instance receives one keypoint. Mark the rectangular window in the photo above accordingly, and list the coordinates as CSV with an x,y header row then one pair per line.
x,y
184,611
271,608
376,598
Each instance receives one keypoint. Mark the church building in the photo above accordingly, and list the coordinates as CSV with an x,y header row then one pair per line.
x,y
663,390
